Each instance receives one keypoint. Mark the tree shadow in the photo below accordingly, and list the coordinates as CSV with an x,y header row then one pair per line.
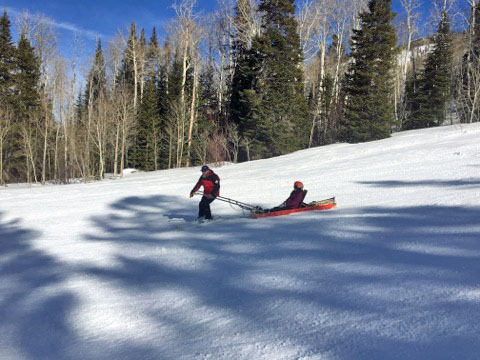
x,y
352,284
33,311
465,183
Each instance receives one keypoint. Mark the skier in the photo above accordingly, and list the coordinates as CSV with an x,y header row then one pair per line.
x,y
295,200
211,189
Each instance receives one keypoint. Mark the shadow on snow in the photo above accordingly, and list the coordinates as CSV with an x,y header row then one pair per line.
x,y
33,316
376,278
351,284
470,183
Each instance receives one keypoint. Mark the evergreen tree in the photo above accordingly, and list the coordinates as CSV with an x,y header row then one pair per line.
x,y
27,79
80,107
149,131
26,107
246,69
414,99
284,124
126,74
268,101
97,79
243,99
163,77
369,111
153,65
7,62
208,101
435,83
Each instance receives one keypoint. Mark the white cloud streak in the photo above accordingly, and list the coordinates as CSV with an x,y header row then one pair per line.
x,y
90,34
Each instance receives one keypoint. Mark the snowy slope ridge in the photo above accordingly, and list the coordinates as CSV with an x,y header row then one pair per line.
x,y
117,270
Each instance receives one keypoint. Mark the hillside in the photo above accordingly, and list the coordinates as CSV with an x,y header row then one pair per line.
x,y
118,270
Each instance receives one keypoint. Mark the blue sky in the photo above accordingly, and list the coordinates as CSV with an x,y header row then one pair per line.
x,y
102,18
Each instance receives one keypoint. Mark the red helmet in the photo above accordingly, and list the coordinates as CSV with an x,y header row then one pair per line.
x,y
298,185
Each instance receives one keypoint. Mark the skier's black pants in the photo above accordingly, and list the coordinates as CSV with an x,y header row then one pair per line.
x,y
204,207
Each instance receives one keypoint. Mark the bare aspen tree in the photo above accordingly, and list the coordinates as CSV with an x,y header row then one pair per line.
x,y
342,27
307,19
133,54
44,129
101,127
315,32
116,144
321,35
182,30
233,137
411,18
40,31
222,42
325,23
470,97
170,130
125,117
474,63
5,124
88,133
409,25
357,6
227,27
142,62
197,33
468,77
250,24
114,54
60,110
28,134
69,150
247,143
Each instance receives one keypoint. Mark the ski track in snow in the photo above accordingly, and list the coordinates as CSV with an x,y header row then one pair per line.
x,y
118,269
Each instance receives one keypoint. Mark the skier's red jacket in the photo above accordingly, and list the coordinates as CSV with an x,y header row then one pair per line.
x,y
210,183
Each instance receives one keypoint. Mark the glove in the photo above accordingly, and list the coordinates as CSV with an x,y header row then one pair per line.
x,y
191,193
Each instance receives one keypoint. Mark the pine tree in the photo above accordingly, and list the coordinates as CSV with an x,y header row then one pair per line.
x,y
97,79
268,101
436,81
7,62
153,66
243,99
208,99
414,98
369,112
126,75
149,132
26,107
284,124
148,151
27,79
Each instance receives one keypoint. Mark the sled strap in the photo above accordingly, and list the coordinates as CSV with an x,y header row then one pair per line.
x,y
234,202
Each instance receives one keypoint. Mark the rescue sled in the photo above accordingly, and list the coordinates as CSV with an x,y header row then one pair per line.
x,y
314,205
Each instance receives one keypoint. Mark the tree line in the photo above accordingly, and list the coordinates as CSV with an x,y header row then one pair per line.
x,y
255,79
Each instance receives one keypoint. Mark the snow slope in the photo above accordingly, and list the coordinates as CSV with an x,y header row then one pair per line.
x,y
117,270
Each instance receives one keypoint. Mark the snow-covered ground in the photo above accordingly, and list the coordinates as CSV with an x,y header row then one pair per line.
x,y
118,270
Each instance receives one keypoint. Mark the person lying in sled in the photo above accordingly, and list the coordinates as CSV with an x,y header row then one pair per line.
x,y
294,201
